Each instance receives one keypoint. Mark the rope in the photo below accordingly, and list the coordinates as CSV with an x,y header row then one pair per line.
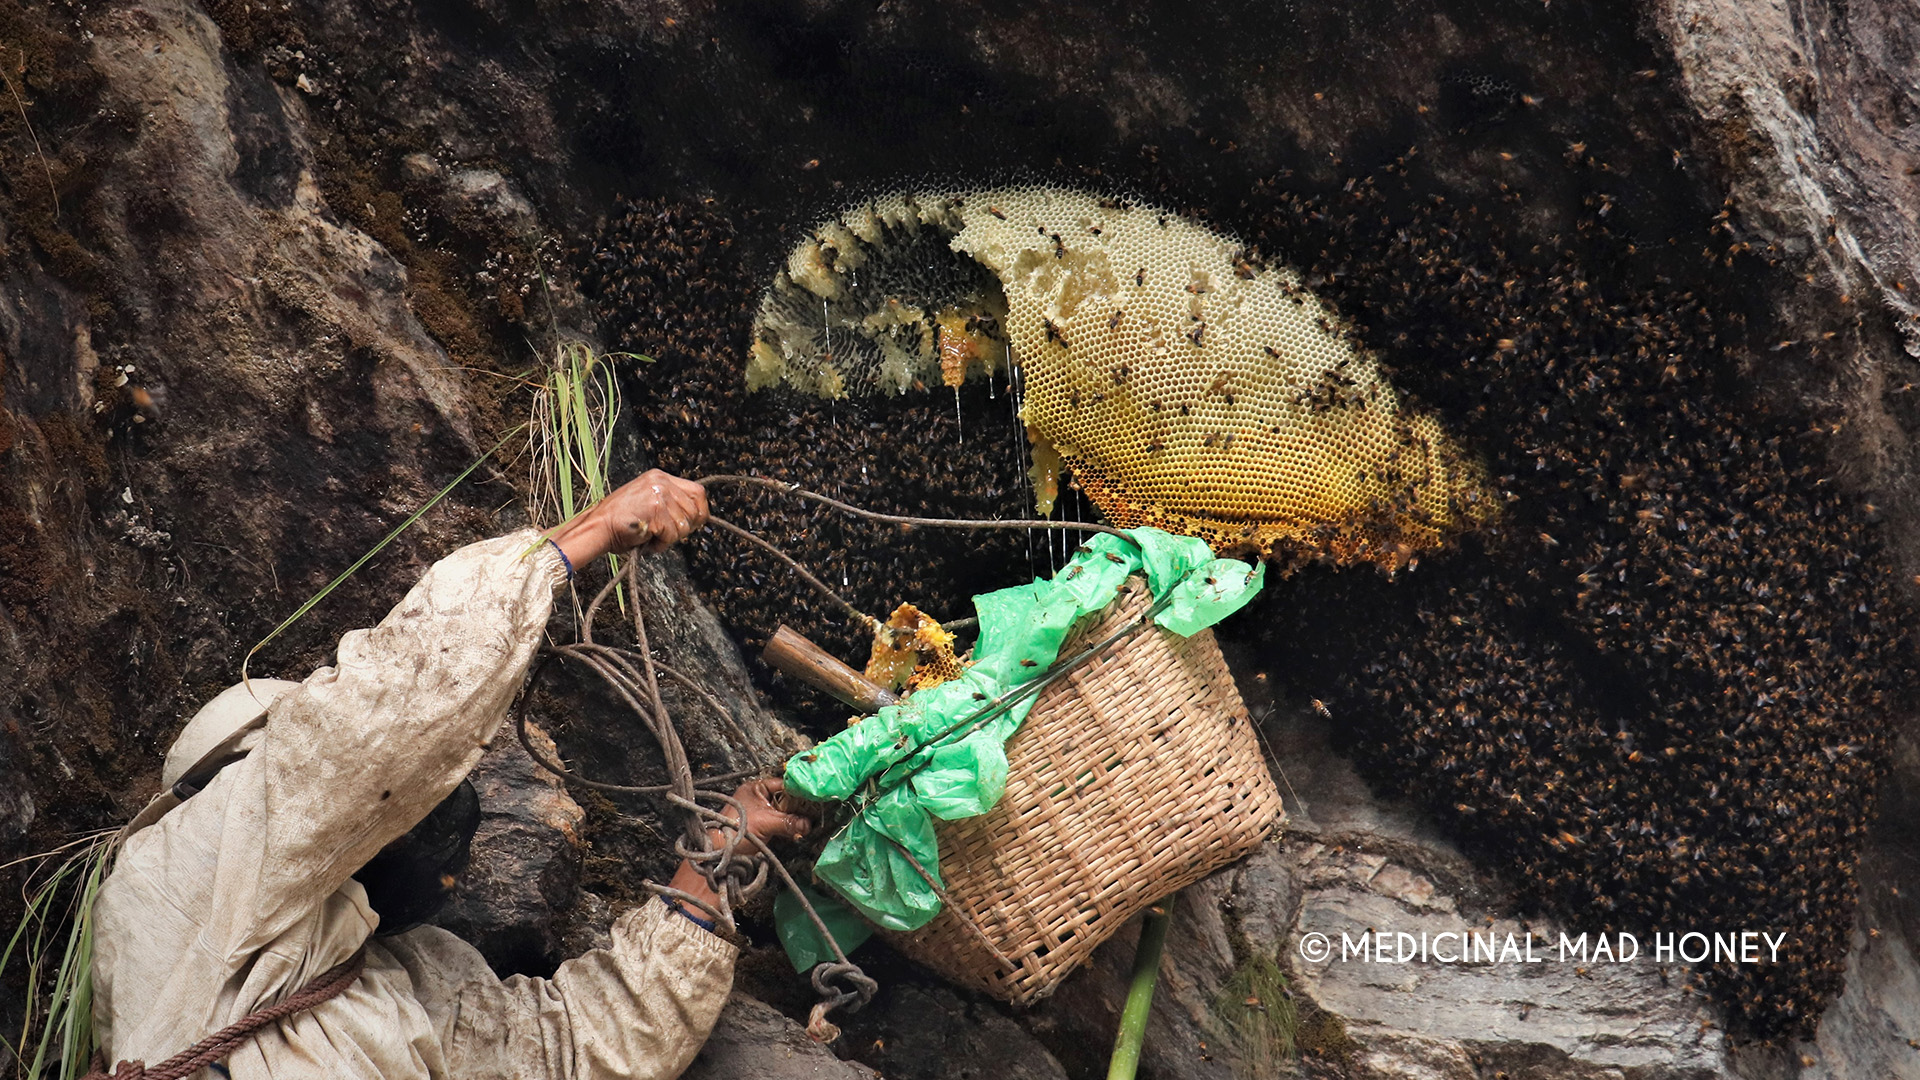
x,y
742,863
862,618
218,1045
902,519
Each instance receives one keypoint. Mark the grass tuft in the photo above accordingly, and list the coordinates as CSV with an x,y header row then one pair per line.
x,y
570,432
54,939
1257,1009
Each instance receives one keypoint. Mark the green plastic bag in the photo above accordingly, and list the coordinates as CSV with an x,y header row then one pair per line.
x,y
942,752
802,939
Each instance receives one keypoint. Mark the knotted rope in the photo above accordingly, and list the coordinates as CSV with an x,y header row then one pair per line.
x,y
739,866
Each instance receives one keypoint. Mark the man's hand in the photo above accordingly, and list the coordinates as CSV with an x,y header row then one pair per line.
x,y
650,513
764,820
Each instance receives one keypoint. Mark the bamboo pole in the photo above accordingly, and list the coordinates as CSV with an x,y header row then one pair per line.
x,y
1146,972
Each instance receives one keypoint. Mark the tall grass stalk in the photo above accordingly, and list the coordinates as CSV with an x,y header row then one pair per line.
x,y
570,434
54,940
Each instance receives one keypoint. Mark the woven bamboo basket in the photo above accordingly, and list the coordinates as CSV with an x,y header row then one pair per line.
x,y
1134,776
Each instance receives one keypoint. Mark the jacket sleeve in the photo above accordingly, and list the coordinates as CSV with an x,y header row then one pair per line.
x,y
362,750
640,1009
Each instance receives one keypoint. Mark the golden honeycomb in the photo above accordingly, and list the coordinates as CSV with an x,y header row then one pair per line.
x,y
912,651
1180,384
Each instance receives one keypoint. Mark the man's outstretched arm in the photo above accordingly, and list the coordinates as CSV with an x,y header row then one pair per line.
x,y
365,748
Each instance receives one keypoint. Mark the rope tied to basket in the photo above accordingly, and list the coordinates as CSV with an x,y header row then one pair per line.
x,y
740,864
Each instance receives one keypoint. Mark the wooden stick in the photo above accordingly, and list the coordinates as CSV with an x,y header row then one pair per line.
x,y
794,655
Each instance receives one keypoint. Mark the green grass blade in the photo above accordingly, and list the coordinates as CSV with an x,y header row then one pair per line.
x,y
610,412
561,393
589,453
67,1026
77,1061
376,549
33,929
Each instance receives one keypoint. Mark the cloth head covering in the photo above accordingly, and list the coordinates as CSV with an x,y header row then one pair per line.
x,y
240,709
222,732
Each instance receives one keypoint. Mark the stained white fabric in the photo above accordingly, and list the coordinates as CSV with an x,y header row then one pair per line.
x,y
242,894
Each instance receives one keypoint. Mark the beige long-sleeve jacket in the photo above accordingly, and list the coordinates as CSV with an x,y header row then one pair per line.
x,y
238,897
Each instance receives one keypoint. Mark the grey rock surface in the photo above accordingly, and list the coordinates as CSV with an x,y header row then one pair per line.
x,y
1812,114
1361,864
1521,1000
753,1039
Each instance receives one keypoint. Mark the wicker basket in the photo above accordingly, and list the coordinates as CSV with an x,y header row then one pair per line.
x,y
1135,776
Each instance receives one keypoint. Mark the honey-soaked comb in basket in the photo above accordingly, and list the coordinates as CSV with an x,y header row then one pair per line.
x,y
1181,384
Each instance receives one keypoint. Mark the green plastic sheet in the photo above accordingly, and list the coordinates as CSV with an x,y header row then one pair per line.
x,y
942,752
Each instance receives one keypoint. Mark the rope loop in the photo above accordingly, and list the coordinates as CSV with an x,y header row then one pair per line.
x,y
840,985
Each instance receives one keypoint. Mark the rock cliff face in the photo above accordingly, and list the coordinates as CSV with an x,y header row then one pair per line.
x,y
272,271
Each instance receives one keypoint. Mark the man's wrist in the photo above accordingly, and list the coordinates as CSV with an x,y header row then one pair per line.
x,y
583,541
675,904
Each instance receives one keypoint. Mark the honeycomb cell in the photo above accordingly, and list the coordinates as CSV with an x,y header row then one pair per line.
x,y
1180,383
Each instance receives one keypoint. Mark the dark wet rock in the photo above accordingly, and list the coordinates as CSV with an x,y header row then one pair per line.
x,y
931,1032
521,886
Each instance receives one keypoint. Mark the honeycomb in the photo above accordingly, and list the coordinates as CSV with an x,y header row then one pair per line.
x,y
912,651
875,302
1180,383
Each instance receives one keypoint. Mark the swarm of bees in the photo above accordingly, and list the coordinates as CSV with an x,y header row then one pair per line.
x,y
1658,689
672,282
